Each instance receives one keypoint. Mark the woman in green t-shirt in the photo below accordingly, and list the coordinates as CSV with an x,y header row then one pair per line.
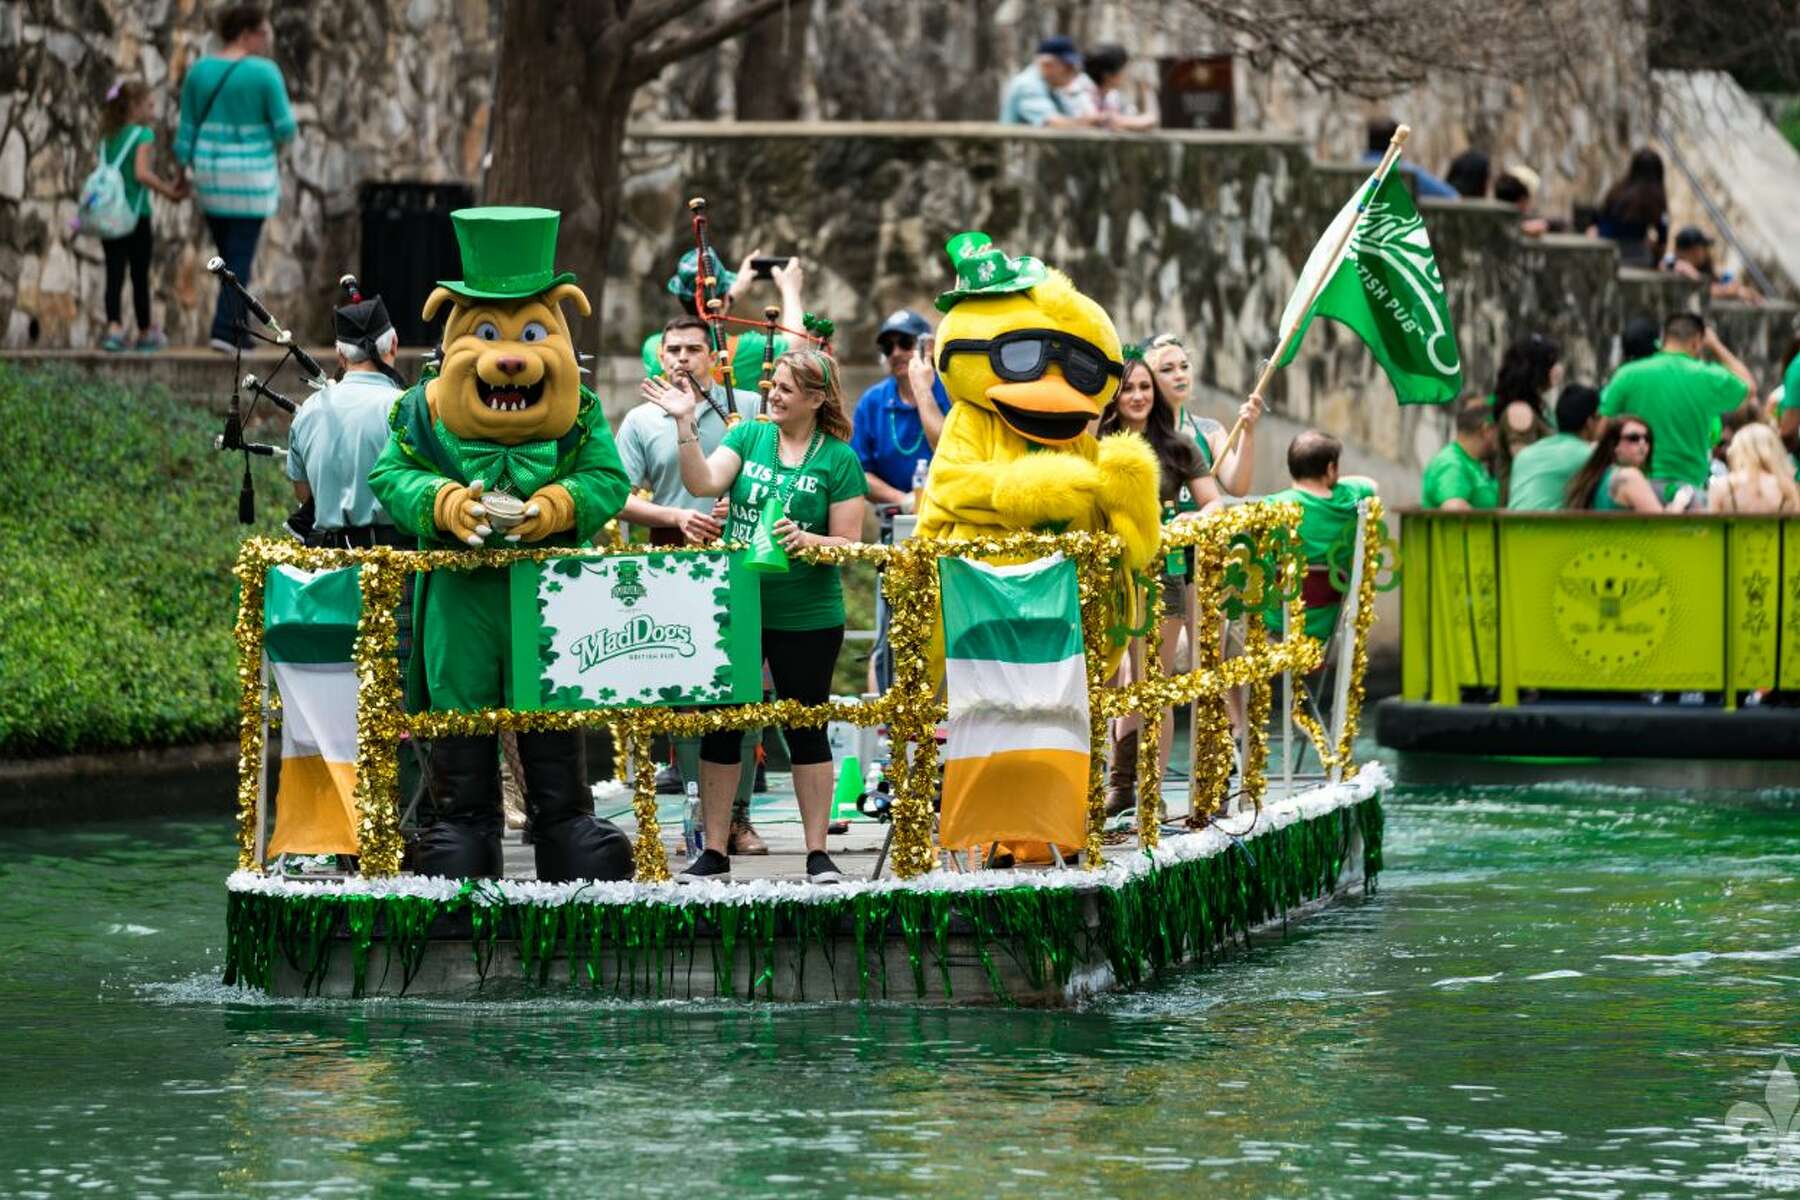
x,y
801,458
125,127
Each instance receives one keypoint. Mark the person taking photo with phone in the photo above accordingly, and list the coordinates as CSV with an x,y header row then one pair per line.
x,y
894,431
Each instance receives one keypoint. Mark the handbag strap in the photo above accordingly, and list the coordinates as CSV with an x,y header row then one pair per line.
x,y
206,109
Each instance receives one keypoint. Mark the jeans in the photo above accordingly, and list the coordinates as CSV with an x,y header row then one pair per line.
x,y
236,238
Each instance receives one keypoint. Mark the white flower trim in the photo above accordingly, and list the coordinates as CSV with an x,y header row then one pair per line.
x,y
1205,843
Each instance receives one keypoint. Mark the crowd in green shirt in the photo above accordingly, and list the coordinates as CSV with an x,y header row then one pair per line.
x,y
1677,392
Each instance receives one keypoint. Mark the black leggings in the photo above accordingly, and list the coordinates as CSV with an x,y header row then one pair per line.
x,y
800,663
133,248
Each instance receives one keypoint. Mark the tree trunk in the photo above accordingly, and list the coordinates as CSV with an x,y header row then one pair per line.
x,y
559,132
772,65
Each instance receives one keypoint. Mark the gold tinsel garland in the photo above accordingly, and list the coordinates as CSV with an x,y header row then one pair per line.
x,y
1341,757
1374,537
379,720
1255,776
1150,730
1095,585
650,862
910,709
247,632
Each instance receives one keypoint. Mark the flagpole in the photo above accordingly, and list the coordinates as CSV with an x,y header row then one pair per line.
x,y
1268,372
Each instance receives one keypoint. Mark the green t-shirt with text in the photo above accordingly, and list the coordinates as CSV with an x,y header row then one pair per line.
x,y
1453,474
807,595
1682,399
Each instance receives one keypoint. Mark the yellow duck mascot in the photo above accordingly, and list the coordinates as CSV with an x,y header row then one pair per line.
x,y
1030,363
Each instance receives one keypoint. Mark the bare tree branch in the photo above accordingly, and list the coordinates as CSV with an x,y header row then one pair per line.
x,y
647,64
637,23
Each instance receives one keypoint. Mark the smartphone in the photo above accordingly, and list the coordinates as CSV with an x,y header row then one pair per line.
x,y
764,268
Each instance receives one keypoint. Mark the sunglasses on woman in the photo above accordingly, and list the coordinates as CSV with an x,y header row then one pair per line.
x,y
1634,437
1023,355
897,341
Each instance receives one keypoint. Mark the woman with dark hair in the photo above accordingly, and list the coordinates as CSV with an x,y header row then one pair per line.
x,y
1530,372
1105,67
1185,484
1635,211
799,463
1612,479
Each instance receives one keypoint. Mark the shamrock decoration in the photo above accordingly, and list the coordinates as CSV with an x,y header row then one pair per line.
x,y
1249,572
1384,561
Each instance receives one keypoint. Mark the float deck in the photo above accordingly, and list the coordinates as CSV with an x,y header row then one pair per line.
x,y
1035,936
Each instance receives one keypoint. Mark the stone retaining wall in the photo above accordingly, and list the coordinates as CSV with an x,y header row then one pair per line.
x,y
1199,234
388,90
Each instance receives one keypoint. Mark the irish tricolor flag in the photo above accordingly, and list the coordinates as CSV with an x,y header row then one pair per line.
x,y
1374,271
309,631
1016,759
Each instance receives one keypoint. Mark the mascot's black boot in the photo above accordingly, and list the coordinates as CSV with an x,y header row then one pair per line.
x,y
464,841
569,840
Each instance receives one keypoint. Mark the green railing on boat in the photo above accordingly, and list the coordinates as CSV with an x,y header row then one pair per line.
x,y
1493,602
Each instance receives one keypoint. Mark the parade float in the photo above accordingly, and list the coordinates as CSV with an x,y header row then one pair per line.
x,y
1599,635
1003,637
633,642
1037,563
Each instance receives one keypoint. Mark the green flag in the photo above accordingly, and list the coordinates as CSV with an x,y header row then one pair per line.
x,y
1384,284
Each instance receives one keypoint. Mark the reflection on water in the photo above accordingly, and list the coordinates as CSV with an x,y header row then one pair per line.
x,y
1556,991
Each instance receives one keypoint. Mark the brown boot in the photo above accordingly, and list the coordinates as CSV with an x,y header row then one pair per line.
x,y
1121,785
745,839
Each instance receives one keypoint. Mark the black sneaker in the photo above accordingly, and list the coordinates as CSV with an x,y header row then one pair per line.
x,y
820,868
710,865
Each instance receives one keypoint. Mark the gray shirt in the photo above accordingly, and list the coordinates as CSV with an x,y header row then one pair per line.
x,y
646,442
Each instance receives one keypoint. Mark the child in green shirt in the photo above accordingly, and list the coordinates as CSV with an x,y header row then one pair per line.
x,y
125,127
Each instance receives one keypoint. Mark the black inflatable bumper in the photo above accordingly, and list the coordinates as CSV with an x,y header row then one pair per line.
x,y
1598,730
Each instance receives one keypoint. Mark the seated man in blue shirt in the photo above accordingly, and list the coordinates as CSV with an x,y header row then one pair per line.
x,y
1425,184
892,431
1035,96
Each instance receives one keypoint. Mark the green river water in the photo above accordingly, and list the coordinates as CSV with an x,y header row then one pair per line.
x,y
1556,991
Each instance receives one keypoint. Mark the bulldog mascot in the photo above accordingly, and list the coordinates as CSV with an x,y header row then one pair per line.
x,y
502,447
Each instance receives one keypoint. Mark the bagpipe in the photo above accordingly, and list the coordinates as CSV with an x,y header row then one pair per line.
x,y
237,414
709,306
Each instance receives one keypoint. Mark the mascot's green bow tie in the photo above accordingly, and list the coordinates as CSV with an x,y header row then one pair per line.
x,y
521,469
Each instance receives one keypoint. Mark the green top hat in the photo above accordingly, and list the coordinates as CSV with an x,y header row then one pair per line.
x,y
983,269
685,281
507,253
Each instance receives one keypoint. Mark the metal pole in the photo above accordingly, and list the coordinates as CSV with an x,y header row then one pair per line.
x,y
1347,623
262,775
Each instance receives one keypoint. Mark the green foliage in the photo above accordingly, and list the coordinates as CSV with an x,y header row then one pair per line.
x,y
1790,123
118,537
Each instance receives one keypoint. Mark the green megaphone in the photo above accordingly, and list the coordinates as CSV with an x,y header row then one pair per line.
x,y
766,555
